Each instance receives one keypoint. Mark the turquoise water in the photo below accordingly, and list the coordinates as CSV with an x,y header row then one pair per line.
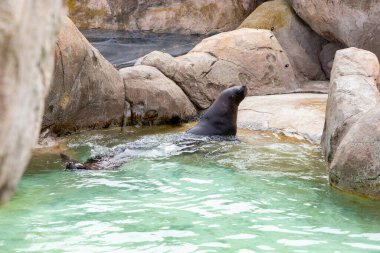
x,y
259,194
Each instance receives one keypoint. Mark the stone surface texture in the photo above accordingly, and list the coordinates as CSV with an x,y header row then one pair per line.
x,y
301,43
87,91
352,92
250,57
351,22
301,114
356,165
154,98
28,29
327,55
321,87
190,16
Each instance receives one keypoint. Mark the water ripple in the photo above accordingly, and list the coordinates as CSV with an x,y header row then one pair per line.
x,y
254,195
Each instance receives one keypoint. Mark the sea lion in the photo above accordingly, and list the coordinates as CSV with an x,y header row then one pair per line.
x,y
91,164
116,158
220,118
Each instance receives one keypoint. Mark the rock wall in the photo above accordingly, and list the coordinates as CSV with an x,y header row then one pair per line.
x,y
190,16
28,30
87,91
327,55
302,44
352,92
350,140
351,22
356,166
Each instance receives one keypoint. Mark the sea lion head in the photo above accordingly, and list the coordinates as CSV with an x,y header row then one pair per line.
x,y
235,94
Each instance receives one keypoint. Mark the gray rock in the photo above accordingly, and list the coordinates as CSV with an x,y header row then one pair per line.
x,y
301,43
154,98
356,165
87,91
351,22
246,56
327,57
174,16
28,30
352,93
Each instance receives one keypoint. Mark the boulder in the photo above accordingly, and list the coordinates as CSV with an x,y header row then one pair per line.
x,y
301,114
164,61
352,92
86,91
301,43
246,56
327,55
28,29
351,22
154,98
356,164
174,16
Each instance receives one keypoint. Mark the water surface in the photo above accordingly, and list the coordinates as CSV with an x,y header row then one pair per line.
x,y
259,194
123,48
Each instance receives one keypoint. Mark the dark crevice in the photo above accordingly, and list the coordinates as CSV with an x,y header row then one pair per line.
x,y
62,65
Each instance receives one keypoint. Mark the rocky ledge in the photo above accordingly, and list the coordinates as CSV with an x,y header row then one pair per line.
x,y
300,115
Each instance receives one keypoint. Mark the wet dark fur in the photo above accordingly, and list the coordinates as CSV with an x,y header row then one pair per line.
x,y
221,117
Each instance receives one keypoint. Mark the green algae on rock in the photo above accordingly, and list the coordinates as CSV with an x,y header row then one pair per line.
x,y
302,45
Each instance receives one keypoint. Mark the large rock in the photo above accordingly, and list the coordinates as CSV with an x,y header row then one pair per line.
x,y
301,43
352,93
87,91
246,56
356,165
28,30
301,114
191,16
154,98
351,22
